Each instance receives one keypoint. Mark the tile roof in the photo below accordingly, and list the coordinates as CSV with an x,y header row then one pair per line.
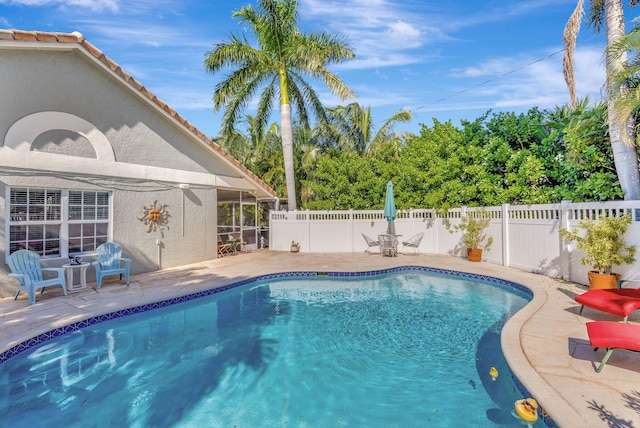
x,y
78,39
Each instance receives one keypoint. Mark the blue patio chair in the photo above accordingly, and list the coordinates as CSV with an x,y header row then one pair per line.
x,y
110,262
25,267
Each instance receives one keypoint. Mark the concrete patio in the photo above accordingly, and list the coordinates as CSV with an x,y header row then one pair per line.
x,y
545,344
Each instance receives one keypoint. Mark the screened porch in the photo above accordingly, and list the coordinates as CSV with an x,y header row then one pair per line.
x,y
243,221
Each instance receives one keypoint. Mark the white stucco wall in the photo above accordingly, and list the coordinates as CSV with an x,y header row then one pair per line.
x,y
124,144
197,241
68,82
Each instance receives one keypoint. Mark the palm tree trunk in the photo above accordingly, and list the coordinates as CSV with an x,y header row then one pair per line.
x,y
287,153
625,155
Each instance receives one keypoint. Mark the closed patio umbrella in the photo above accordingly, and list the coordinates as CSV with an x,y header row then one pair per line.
x,y
390,209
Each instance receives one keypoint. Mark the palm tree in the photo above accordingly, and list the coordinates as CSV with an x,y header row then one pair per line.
x,y
254,147
353,129
306,154
276,67
625,84
611,13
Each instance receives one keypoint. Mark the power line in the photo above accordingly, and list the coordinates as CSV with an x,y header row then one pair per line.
x,y
515,70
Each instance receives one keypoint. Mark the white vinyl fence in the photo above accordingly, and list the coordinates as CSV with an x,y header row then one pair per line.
x,y
525,237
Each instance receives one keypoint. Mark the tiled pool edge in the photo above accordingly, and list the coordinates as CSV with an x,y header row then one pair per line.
x,y
44,337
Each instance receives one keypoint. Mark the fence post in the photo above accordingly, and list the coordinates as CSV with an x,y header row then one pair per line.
x,y
351,230
565,250
270,232
307,213
412,223
504,216
436,231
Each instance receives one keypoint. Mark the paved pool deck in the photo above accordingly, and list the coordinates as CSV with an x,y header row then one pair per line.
x,y
545,344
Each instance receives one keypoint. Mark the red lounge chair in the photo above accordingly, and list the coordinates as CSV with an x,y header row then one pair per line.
x,y
613,335
618,301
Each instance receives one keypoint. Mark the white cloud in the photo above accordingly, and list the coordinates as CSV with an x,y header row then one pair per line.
x,y
401,32
143,33
590,73
380,61
186,98
501,12
95,5
520,81
383,33
374,97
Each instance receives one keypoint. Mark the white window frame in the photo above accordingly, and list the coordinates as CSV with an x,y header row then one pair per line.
x,y
85,208
65,223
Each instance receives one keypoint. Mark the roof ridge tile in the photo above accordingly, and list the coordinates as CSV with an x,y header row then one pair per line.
x,y
6,35
68,38
27,36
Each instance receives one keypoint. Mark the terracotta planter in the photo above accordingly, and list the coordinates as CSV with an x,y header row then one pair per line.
x,y
599,281
474,254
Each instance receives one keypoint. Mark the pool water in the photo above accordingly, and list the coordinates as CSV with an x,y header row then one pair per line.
x,y
406,349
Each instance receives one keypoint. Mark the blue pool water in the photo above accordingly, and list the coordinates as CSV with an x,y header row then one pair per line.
x,y
404,349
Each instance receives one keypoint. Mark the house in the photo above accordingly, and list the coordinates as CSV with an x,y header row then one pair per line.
x,y
88,154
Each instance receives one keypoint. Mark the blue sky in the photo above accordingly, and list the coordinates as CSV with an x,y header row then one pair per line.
x,y
443,59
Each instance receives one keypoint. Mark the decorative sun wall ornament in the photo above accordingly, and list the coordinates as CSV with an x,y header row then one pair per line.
x,y
155,217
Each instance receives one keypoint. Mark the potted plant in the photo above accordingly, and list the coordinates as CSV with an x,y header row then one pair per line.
x,y
604,247
474,237
295,247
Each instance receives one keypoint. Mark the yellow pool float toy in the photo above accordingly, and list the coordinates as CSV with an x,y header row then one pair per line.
x,y
493,372
527,409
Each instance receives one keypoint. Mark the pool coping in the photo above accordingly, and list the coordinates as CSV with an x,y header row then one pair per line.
x,y
526,373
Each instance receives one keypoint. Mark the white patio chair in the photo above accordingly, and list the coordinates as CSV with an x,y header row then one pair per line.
x,y
370,242
388,245
413,242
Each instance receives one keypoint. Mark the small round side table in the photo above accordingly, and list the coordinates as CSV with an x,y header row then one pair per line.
x,y
68,270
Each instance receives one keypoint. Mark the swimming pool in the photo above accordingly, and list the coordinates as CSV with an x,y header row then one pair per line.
x,y
405,347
